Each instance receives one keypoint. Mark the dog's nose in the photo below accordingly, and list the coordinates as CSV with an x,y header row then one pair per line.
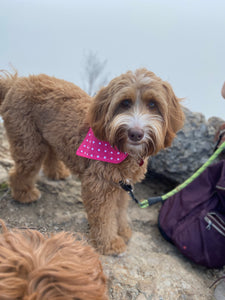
x,y
135,134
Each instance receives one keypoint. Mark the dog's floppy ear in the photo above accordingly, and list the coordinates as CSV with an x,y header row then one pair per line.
x,y
97,113
175,118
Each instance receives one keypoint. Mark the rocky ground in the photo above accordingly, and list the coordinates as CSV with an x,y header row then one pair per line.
x,y
151,268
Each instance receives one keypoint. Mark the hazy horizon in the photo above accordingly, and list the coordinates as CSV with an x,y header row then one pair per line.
x,y
181,41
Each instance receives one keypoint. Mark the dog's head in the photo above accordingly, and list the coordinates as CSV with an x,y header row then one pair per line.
x,y
35,266
137,112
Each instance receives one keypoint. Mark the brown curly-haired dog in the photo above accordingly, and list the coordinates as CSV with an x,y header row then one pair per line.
x,y
47,119
34,266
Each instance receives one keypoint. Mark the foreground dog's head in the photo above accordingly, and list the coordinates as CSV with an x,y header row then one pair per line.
x,y
36,267
137,112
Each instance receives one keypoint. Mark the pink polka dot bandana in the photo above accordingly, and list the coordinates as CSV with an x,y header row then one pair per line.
x,y
93,148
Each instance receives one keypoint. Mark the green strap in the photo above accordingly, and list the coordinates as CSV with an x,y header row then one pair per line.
x,y
145,203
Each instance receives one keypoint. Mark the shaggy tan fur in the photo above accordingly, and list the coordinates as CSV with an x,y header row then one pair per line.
x,y
37,267
46,120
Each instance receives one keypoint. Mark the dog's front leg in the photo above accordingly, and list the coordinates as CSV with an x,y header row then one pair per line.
x,y
124,229
101,204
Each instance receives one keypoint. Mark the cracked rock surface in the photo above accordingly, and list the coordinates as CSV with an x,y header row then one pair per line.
x,y
192,147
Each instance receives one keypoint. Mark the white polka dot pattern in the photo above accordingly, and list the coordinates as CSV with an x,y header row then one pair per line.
x,y
93,148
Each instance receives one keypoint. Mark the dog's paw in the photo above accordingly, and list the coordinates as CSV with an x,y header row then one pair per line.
x,y
125,233
116,247
26,196
57,175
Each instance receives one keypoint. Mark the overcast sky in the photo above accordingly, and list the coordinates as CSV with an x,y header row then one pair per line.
x,y
182,41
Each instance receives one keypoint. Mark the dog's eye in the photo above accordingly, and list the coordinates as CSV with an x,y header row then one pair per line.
x,y
126,103
152,104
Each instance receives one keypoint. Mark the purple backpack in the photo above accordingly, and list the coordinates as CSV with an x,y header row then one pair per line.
x,y
194,218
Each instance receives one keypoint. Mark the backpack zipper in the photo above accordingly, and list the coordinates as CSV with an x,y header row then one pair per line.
x,y
213,220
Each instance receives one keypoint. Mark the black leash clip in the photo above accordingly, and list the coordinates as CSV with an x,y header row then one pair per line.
x,y
129,189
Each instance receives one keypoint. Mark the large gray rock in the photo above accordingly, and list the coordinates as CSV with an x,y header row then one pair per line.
x,y
191,148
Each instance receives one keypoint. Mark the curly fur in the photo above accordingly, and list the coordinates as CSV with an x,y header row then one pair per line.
x,y
34,266
46,119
